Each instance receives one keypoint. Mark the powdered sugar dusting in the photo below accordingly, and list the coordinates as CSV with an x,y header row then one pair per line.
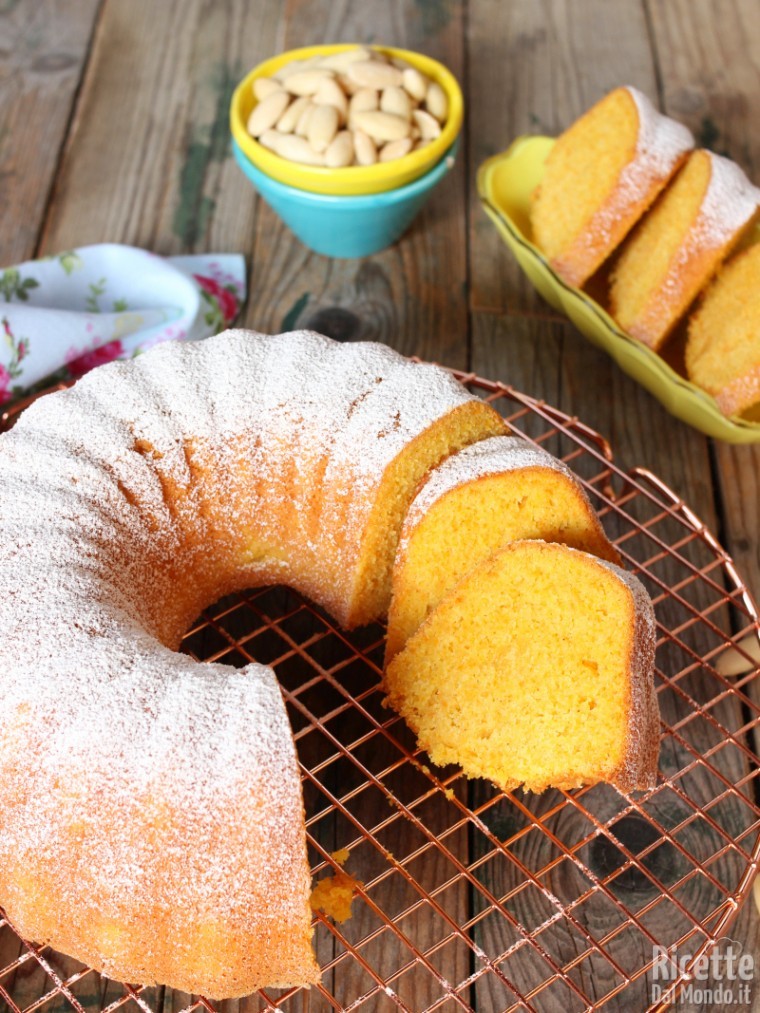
x,y
729,203
660,144
150,782
662,140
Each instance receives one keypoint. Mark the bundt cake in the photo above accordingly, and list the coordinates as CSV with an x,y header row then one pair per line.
x,y
493,492
601,175
536,670
723,345
679,244
152,823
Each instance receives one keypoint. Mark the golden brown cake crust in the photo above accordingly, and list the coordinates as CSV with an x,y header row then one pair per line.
x,y
639,767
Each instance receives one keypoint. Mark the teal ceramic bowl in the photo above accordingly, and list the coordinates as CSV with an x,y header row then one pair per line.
x,y
339,226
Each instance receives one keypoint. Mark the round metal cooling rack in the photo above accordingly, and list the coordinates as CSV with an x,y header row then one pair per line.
x,y
467,898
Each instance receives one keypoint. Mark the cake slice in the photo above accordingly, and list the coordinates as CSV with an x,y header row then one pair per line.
x,y
723,346
536,670
601,175
491,493
679,245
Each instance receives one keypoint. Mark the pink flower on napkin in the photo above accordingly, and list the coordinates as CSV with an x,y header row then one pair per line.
x,y
5,384
222,295
80,364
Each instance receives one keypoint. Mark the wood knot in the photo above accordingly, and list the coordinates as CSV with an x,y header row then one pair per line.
x,y
635,834
335,322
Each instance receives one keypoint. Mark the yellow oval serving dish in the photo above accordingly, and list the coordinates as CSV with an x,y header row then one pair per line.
x,y
505,184
353,180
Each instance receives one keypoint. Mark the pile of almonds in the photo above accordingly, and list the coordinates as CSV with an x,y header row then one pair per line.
x,y
356,107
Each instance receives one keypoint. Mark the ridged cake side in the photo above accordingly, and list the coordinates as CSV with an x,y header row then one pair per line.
x,y
152,821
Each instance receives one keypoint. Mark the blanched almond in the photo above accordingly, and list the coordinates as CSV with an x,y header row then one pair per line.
x,y
382,126
436,102
341,150
396,149
373,74
341,61
364,99
271,139
428,125
364,147
263,86
731,662
295,67
298,149
349,87
330,93
302,127
287,122
395,100
322,127
267,112
306,82
415,83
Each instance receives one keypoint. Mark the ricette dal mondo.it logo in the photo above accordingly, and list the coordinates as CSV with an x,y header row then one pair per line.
x,y
720,977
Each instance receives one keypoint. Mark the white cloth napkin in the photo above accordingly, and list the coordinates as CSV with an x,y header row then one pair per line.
x,y
61,316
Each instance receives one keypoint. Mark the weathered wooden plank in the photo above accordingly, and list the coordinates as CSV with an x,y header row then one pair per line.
x,y
148,159
42,55
411,296
533,68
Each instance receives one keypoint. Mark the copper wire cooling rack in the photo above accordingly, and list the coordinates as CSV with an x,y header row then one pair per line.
x,y
469,899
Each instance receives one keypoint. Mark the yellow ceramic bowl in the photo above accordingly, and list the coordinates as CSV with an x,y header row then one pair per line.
x,y
505,183
354,179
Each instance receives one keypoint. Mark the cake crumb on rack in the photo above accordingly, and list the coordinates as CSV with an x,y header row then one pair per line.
x,y
333,896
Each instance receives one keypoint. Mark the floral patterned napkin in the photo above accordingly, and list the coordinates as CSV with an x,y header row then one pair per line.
x,y
61,316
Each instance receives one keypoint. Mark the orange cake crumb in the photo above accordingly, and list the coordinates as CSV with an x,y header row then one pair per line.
x,y
333,895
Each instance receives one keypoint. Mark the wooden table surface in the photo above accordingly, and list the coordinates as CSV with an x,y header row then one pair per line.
x,y
113,127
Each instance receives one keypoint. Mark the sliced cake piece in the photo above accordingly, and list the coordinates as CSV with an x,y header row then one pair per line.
x,y
491,493
600,177
723,347
679,245
536,670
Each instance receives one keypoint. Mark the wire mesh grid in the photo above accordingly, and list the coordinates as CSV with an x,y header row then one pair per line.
x,y
467,898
